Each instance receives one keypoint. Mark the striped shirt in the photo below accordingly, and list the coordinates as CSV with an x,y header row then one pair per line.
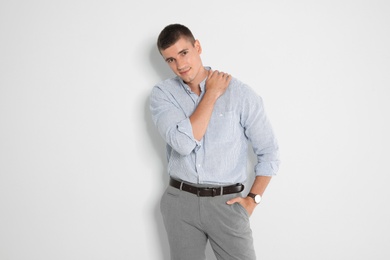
x,y
220,158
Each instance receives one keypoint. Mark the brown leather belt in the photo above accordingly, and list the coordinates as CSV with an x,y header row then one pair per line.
x,y
207,192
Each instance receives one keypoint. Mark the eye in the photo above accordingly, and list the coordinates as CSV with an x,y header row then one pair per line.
x,y
169,60
184,53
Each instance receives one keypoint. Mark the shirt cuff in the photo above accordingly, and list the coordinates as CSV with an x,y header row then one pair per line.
x,y
267,168
185,128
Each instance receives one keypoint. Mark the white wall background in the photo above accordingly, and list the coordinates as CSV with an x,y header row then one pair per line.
x,y
82,168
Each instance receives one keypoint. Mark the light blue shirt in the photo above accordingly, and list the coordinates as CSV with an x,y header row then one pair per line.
x,y
238,119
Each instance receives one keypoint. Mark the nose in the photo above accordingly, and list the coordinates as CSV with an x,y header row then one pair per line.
x,y
180,64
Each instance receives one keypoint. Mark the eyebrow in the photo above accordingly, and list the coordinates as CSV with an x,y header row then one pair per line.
x,y
180,52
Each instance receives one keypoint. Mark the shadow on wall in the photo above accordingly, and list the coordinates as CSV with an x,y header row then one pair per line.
x,y
159,65
163,71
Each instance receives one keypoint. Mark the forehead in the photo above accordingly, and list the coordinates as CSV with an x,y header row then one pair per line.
x,y
176,48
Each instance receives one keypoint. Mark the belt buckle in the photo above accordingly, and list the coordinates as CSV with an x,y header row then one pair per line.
x,y
213,192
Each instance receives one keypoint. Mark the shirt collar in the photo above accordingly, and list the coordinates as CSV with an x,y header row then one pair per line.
x,y
202,84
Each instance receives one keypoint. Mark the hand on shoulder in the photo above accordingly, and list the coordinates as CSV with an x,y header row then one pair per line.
x,y
217,82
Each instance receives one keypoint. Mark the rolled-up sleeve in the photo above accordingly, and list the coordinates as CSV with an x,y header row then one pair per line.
x,y
172,123
259,132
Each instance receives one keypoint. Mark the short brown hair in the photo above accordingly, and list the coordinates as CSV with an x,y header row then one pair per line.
x,y
171,34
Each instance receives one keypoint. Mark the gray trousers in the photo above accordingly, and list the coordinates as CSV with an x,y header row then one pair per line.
x,y
190,221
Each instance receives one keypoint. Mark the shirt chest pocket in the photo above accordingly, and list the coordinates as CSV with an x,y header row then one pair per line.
x,y
222,127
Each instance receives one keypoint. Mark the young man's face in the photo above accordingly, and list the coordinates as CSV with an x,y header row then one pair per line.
x,y
184,60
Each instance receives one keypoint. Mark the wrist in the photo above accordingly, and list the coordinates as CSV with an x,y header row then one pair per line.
x,y
211,95
256,198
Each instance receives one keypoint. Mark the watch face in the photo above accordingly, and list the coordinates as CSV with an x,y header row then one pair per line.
x,y
257,199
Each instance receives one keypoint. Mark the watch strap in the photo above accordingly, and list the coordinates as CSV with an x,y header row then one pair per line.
x,y
252,195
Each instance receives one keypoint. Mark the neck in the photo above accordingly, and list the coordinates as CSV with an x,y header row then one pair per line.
x,y
195,84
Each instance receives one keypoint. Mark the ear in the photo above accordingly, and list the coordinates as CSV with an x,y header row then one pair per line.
x,y
197,46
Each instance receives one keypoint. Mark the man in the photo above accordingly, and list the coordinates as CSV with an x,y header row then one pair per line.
x,y
207,119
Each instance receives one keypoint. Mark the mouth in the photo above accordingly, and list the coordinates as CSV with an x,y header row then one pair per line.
x,y
184,72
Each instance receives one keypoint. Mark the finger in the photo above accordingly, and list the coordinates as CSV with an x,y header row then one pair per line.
x,y
224,75
234,200
211,74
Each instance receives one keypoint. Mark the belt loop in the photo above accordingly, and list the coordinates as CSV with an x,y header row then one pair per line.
x,y
181,185
221,190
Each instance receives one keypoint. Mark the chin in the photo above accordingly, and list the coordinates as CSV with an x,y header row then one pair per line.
x,y
189,80
186,79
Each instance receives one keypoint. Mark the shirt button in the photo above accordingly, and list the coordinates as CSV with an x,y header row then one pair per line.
x,y
198,165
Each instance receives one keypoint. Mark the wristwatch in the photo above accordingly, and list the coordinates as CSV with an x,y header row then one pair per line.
x,y
256,197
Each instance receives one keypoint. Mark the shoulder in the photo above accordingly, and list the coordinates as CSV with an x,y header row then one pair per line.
x,y
167,85
240,88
